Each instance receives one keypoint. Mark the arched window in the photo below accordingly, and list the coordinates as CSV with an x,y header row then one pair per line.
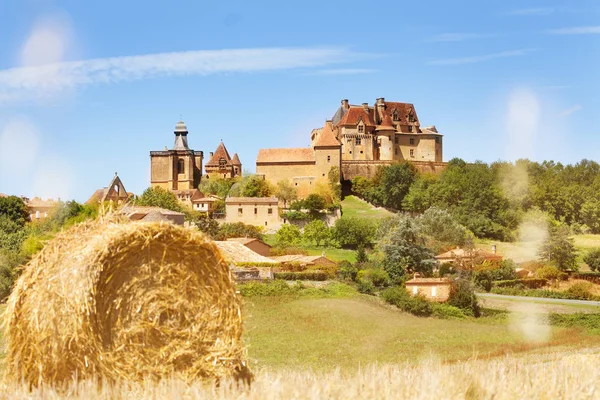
x,y
181,166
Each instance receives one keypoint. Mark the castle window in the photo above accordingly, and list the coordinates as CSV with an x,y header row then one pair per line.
x,y
255,210
328,159
410,128
411,117
270,211
395,116
222,161
437,139
361,128
412,153
181,166
240,211
412,141
358,141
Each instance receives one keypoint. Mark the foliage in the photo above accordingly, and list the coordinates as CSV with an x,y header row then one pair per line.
x,y
446,311
462,295
218,187
377,276
284,250
548,272
365,287
238,229
251,186
333,176
592,259
348,271
314,204
301,276
590,214
249,264
288,234
159,197
316,232
13,209
286,192
10,262
581,290
354,232
441,230
361,255
543,293
531,283
295,215
208,225
505,271
593,277
389,186
399,297
559,249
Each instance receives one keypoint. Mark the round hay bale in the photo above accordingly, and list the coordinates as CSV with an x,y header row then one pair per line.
x,y
114,301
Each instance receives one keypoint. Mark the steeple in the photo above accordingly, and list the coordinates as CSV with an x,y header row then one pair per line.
x,y
181,133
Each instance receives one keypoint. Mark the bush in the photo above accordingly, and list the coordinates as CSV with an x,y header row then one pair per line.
x,y
445,311
330,270
400,298
531,283
366,287
287,235
377,276
301,276
238,229
548,272
581,290
544,293
593,277
347,270
592,259
354,232
483,280
462,295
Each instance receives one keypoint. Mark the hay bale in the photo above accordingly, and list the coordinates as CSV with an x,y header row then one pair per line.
x,y
113,301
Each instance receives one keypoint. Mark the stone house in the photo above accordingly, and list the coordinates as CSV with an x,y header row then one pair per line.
x,y
205,204
257,211
256,245
221,165
434,289
115,192
304,260
144,213
39,208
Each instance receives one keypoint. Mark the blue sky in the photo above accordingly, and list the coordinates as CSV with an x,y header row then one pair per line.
x,y
89,88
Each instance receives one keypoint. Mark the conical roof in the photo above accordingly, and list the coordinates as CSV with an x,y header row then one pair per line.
x,y
220,153
181,137
236,160
327,136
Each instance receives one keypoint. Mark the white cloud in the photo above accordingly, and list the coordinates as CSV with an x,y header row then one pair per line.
x,y
482,58
47,42
523,120
37,81
578,30
456,37
343,71
569,111
534,11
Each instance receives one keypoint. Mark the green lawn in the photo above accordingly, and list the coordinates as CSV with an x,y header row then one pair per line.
x,y
352,206
330,252
348,332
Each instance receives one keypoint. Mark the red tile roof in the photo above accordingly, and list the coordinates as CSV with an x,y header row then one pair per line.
x,y
252,200
293,155
327,136
221,152
355,114
236,160
403,110
428,281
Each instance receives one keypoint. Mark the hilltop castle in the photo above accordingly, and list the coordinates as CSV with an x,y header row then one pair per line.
x,y
357,140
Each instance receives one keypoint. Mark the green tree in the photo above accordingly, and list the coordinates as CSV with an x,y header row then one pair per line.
x,y
316,231
395,183
159,197
590,214
441,230
218,187
559,249
592,259
13,210
462,295
255,186
314,204
334,182
286,192
208,225
288,235
354,232
238,229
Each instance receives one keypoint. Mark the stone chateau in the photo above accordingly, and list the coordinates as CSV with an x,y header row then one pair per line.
x,y
358,139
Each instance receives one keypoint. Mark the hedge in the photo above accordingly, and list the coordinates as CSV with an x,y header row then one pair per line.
x,y
301,276
593,277
257,265
531,283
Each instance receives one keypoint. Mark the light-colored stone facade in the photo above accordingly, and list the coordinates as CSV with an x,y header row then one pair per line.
x,y
257,211
434,289
221,165
179,168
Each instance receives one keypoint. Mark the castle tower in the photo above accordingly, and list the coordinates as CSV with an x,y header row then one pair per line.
x,y
179,168
221,165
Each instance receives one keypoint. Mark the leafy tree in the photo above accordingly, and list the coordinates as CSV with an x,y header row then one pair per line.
x,y
238,229
362,186
559,249
418,198
404,250
288,234
208,225
361,255
462,295
316,231
334,182
441,230
354,232
590,214
548,272
218,187
286,192
314,204
255,186
395,183
9,270
592,259
159,197
13,210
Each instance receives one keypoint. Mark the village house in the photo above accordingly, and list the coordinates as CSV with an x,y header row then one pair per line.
x,y
434,289
257,211
152,214
304,260
245,263
205,204
115,192
221,165
39,208
458,256
256,245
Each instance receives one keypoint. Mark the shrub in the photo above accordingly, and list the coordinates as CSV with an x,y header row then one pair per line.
x,y
366,287
592,259
581,290
531,283
354,232
238,229
483,280
316,232
347,270
377,276
301,276
287,235
330,270
548,272
445,311
593,277
399,297
296,216
462,295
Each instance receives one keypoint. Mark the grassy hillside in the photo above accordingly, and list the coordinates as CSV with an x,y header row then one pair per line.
x,y
352,206
322,333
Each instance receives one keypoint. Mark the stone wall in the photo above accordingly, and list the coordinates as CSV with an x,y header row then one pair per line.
x,y
367,169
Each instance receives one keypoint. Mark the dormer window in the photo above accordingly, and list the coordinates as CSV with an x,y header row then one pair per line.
x,y
395,116
361,129
222,161
411,117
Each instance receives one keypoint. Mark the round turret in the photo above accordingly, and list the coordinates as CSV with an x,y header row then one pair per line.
x,y
180,127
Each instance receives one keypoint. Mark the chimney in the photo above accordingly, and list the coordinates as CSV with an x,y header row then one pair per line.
x,y
366,106
380,101
493,249
345,104
211,154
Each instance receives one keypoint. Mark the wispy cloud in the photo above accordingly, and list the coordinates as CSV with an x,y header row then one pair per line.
x,y
533,11
456,37
482,58
569,111
342,71
35,81
578,30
